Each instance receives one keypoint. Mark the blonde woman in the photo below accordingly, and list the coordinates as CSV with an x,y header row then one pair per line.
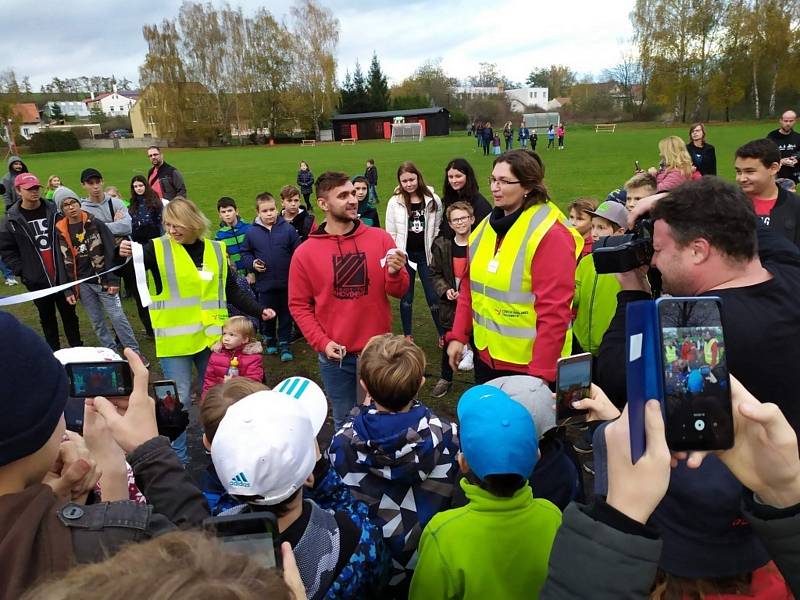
x,y
53,183
676,165
190,286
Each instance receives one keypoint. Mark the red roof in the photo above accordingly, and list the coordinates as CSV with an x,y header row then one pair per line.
x,y
27,112
96,98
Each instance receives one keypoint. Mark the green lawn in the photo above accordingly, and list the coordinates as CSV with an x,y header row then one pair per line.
x,y
592,164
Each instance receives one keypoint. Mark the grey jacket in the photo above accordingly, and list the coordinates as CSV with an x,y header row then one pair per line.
x,y
614,564
105,214
10,194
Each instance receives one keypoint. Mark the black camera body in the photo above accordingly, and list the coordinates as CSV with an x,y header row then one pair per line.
x,y
622,253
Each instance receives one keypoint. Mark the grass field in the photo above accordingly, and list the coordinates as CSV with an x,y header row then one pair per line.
x,y
592,164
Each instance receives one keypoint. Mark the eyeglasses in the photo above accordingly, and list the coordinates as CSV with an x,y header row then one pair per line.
x,y
169,226
459,220
501,182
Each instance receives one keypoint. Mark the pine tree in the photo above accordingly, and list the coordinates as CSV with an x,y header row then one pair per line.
x,y
377,86
360,101
346,94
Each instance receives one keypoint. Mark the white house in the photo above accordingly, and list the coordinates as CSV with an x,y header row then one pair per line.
x,y
113,104
75,108
520,98
28,117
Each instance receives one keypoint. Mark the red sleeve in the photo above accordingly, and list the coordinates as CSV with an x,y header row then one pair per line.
x,y
462,322
252,367
553,283
671,178
301,305
714,351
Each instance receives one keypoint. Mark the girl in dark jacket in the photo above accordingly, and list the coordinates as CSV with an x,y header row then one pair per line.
x,y
460,184
305,181
145,209
704,157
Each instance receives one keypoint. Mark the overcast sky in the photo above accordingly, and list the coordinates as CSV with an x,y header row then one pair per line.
x,y
91,37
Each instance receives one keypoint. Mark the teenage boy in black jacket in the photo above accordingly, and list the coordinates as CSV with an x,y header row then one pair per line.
x,y
28,246
757,164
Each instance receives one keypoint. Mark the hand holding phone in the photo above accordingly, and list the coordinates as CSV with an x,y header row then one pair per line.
x,y
104,378
573,382
253,534
259,265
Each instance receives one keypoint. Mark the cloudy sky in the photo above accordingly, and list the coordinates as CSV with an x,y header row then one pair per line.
x,y
93,37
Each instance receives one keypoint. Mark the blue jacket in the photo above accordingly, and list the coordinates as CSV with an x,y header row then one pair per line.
x,y
275,247
403,465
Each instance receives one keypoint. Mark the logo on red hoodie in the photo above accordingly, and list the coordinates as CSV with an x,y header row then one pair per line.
x,y
350,278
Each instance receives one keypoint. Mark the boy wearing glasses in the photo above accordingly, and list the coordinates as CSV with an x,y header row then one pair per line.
x,y
449,262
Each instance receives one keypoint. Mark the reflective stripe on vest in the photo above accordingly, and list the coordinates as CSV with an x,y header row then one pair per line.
x,y
188,314
504,319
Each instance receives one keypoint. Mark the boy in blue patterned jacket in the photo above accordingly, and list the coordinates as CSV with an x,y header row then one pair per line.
x,y
395,453
265,452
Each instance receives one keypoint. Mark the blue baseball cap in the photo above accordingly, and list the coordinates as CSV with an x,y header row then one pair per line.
x,y
498,436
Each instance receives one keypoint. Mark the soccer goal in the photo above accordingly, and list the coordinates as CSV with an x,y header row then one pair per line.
x,y
406,132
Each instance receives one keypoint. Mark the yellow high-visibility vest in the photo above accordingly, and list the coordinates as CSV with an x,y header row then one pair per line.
x,y
188,314
707,350
504,319
672,355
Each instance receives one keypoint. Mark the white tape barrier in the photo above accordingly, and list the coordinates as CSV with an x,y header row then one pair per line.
x,y
30,296
137,254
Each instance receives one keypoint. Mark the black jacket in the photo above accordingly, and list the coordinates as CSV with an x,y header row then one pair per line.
x,y
372,175
785,216
443,279
705,158
618,556
172,183
18,248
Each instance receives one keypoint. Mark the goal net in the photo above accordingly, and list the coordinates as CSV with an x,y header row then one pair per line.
x,y
406,132
541,121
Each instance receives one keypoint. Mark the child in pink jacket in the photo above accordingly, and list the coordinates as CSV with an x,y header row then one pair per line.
x,y
238,353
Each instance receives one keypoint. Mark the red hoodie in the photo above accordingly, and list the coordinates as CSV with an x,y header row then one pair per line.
x,y
338,289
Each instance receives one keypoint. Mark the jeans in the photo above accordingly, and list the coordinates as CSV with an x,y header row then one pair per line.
x,y
373,193
509,143
277,300
179,369
47,317
7,273
341,385
486,146
99,303
447,370
407,302
523,143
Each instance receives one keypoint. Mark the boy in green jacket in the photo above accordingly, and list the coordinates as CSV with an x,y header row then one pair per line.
x,y
595,300
498,545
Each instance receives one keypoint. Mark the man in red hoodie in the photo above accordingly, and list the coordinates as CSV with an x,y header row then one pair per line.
x,y
338,285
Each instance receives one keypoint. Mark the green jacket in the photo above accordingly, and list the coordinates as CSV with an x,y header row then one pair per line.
x,y
491,548
594,304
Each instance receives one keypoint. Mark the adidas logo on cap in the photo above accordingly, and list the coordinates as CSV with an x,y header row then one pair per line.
x,y
240,481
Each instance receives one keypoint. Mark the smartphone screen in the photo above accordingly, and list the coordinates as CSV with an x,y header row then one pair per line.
x,y
697,389
87,380
253,534
573,382
171,418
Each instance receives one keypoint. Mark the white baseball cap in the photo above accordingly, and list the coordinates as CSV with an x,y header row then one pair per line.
x,y
264,447
534,395
310,396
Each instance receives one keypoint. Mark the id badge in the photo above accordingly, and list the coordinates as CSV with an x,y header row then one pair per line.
x,y
206,275
493,265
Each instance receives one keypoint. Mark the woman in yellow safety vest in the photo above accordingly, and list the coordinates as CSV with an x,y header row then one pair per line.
x,y
190,285
517,297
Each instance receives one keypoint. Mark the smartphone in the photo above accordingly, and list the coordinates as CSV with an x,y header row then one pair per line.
x,y
636,166
105,378
254,534
573,382
171,418
698,413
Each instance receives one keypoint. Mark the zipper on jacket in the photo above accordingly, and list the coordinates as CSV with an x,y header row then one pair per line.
x,y
35,249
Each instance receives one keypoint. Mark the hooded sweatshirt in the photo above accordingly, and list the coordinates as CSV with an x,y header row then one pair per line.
x,y
403,465
10,193
273,245
338,288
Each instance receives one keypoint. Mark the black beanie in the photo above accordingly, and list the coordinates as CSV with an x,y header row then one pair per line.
x,y
33,393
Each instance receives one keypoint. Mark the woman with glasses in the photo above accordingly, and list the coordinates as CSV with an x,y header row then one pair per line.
x,y
516,298
413,217
190,285
461,185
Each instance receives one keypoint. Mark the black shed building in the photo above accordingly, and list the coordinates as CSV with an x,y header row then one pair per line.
x,y
378,125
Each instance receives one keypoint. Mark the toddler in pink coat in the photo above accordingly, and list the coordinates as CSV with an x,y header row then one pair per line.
x,y
237,353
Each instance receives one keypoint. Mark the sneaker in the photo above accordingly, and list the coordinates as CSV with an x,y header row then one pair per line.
x,y
270,346
286,354
11,281
145,362
441,388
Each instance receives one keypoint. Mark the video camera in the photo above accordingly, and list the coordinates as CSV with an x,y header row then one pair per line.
x,y
621,253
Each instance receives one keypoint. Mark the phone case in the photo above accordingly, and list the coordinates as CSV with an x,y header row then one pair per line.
x,y
643,369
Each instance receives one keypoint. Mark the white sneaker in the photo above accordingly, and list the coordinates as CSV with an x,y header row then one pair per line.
x,y
11,281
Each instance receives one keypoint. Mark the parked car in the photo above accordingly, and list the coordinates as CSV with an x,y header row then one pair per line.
x,y
120,133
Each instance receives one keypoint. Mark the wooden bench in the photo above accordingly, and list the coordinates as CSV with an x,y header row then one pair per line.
x,y
348,141
308,143
609,127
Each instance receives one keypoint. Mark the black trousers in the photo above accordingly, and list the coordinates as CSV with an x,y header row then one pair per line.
x,y
47,317
307,198
277,300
